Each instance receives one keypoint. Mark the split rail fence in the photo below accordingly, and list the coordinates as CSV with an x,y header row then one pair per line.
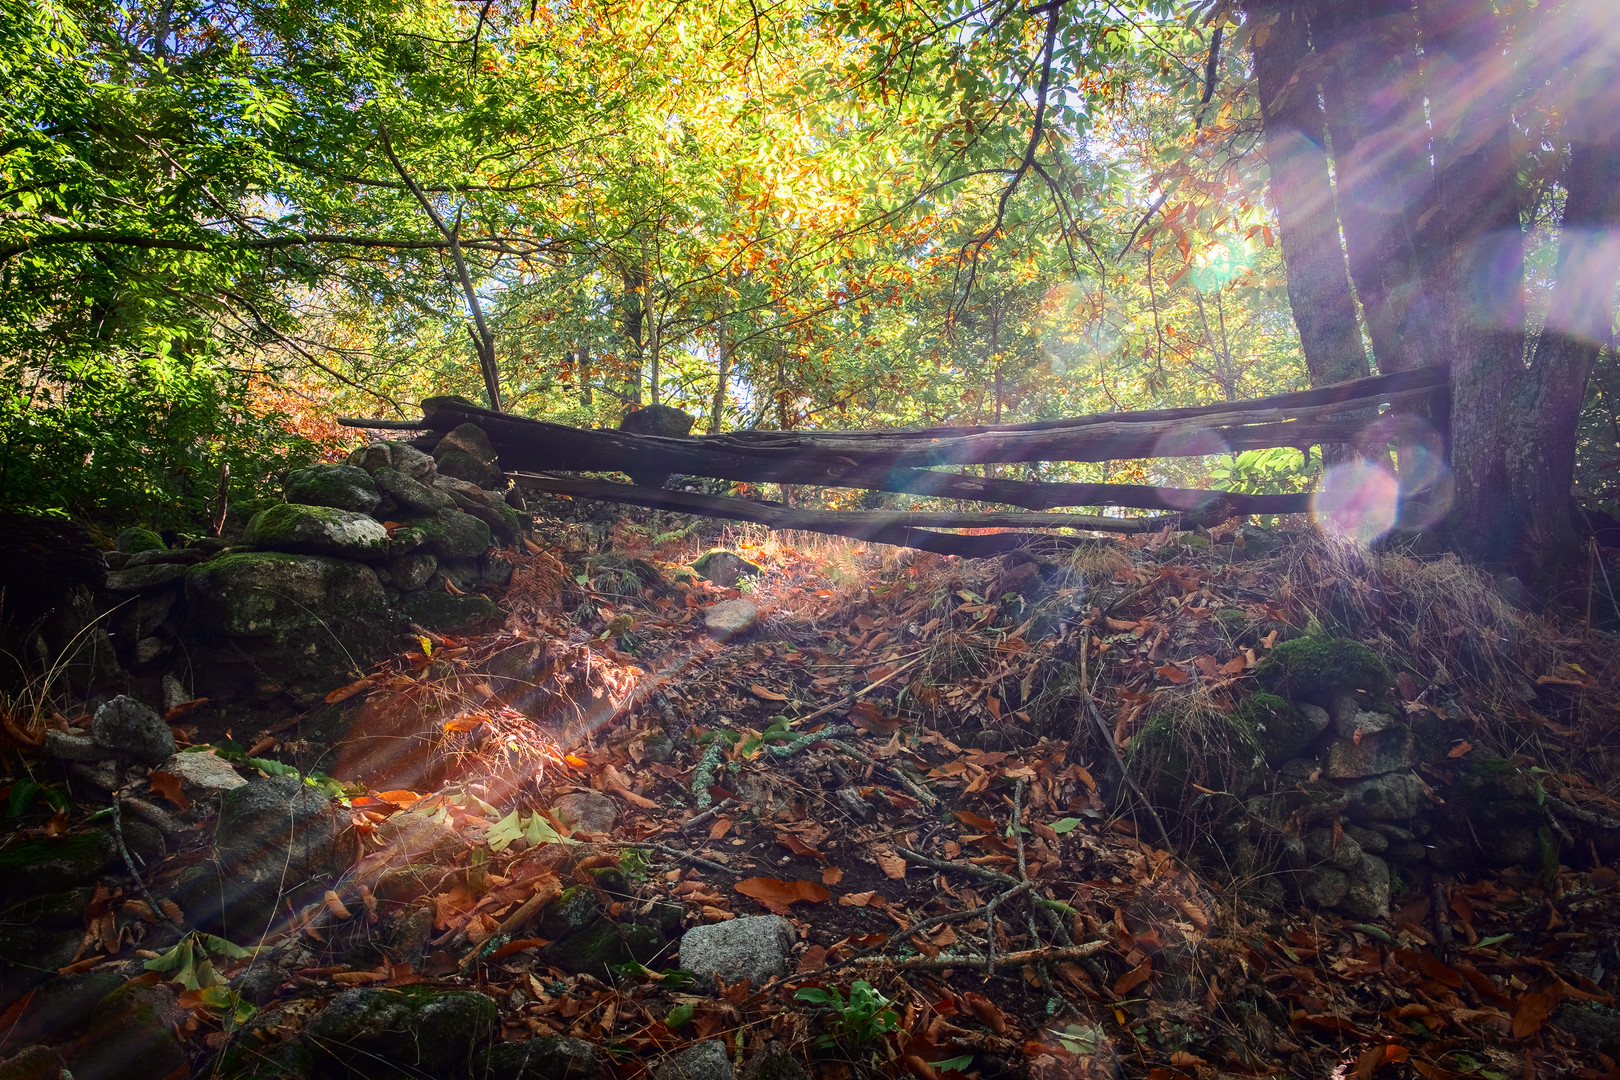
x,y
535,453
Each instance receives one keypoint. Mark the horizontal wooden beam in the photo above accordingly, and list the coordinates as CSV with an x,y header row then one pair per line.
x,y
902,528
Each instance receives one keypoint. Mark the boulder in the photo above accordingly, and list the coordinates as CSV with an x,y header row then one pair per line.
x,y
1344,853
655,420
549,1057
131,1036
753,948
452,535
729,618
60,1006
71,746
604,946
1390,797
411,496
706,1060
308,621
1283,730
411,572
1367,895
1323,888
54,863
444,613
774,1063
393,454
342,487
1316,669
412,836
131,730
132,540
725,568
1376,753
411,1033
318,530
144,579
587,811
465,453
203,773
571,912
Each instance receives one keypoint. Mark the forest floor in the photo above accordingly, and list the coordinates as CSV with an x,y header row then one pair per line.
x,y
955,836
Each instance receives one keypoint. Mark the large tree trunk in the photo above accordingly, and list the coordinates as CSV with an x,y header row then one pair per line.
x,y
1475,268
1580,322
1370,90
723,346
635,317
1302,192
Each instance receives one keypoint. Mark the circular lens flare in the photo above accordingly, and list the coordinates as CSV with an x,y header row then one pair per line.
x,y
1358,500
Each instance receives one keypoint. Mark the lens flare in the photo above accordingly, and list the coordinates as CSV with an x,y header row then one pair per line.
x,y
1358,500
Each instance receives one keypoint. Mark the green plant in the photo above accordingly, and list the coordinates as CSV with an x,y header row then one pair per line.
x,y
1254,472
855,1021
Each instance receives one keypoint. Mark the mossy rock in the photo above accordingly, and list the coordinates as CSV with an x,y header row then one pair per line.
x,y
51,865
318,530
571,912
1282,730
1177,753
725,568
444,613
616,582
132,540
549,1057
606,945
343,487
1315,668
412,1032
462,465
448,536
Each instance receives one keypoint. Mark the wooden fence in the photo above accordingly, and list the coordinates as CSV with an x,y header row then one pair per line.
x,y
534,452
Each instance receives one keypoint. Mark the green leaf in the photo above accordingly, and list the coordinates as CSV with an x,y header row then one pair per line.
x,y
1066,825
679,1016
501,834
957,1064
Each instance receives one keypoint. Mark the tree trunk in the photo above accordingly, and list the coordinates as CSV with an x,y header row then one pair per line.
x,y
1475,270
635,310
586,396
1381,159
723,346
1302,192
1580,321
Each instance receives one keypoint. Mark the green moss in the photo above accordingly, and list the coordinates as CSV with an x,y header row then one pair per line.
x,y
1179,752
446,614
1282,731
1314,668
133,540
49,865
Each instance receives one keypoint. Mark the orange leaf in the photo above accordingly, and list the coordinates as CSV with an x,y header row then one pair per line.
x,y
799,847
1534,1008
167,785
778,895
974,821
832,875
1134,977
183,708
1173,673
1460,749
343,693
400,798
766,695
892,865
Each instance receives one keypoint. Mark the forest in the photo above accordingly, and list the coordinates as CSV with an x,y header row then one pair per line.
x,y
1171,628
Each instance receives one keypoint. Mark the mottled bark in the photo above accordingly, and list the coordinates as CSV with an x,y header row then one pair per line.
x,y
1373,103
1302,193
635,317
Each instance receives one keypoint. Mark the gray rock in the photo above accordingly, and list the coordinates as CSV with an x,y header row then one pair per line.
x,y
450,536
657,747
1596,1028
412,836
154,556
343,487
1367,897
655,420
175,693
444,613
308,621
1379,752
393,454
774,1063
1319,845
587,811
729,618
1370,839
71,746
550,1057
129,729
464,493
1351,718
1391,797
148,649
411,572
753,948
1323,888
275,836
392,1035
706,1060
573,910
59,1007
318,530
131,1036
203,773
143,579
725,568
605,946
411,496
465,453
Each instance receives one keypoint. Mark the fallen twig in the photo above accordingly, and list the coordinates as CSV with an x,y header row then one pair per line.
x,y
665,849
699,820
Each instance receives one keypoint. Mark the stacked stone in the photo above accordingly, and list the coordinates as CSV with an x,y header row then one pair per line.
x,y
305,594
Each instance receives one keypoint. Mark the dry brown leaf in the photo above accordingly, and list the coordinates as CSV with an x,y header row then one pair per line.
x,y
892,865
832,875
779,895
168,785
1173,674
766,695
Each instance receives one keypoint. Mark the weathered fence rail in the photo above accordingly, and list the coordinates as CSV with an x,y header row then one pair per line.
x,y
906,460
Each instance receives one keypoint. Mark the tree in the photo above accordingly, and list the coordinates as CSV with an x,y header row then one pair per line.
x,y
1437,203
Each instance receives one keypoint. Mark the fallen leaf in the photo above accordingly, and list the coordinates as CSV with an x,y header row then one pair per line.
x,y
1173,674
1534,1008
343,693
856,899
892,865
766,695
832,875
1134,977
778,895
1460,749
799,847
167,785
